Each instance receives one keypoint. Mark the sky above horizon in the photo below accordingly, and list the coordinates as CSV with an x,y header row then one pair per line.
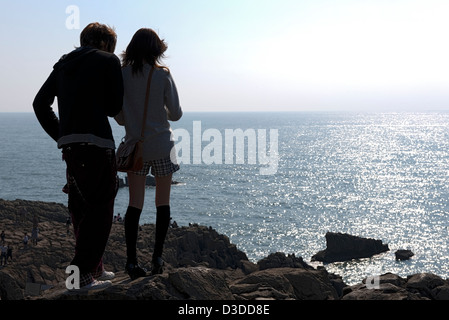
x,y
246,55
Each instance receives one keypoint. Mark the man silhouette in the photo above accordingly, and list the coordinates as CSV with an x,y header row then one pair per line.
x,y
89,87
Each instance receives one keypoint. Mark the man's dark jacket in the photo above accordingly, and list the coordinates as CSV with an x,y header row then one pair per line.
x,y
89,86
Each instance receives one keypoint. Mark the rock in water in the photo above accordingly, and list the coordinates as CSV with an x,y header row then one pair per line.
x,y
403,254
343,247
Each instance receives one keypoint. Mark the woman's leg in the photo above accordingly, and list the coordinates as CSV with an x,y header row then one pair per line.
x,y
132,216
136,190
163,187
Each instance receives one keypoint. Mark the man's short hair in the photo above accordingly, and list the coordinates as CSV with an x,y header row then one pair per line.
x,y
99,36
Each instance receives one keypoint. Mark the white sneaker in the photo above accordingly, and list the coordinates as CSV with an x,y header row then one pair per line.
x,y
94,285
106,275
97,285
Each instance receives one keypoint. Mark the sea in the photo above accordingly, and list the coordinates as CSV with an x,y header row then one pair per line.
x,y
279,181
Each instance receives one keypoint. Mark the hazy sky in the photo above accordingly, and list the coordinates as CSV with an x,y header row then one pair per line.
x,y
385,55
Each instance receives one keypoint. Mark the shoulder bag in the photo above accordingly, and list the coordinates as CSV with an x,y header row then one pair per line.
x,y
129,155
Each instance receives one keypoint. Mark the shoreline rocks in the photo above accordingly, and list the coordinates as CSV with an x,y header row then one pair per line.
x,y
422,286
201,265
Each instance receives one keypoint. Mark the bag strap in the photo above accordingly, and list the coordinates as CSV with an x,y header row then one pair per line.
x,y
147,98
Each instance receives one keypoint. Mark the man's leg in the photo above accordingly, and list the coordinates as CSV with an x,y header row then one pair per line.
x,y
92,181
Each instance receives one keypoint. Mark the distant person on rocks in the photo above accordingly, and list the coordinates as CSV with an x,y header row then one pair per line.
x,y
9,253
2,236
35,220
4,251
23,212
35,230
25,241
34,235
140,60
89,86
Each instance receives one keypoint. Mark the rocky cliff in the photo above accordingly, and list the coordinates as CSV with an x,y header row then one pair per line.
x,y
201,265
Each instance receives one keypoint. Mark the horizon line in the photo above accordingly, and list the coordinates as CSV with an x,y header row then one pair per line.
x,y
285,111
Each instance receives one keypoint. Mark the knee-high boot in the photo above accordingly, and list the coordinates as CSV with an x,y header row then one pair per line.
x,y
132,218
162,224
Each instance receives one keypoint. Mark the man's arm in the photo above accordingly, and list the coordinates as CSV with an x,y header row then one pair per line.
x,y
114,96
42,107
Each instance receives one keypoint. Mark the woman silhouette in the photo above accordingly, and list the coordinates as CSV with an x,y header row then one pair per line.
x,y
141,60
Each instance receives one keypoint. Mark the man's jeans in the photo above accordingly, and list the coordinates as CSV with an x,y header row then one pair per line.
x,y
92,186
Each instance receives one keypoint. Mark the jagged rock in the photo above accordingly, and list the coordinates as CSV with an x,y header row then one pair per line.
x,y
385,291
403,254
22,212
384,287
200,283
440,292
422,286
343,247
280,260
285,283
10,288
194,245
194,283
337,283
425,283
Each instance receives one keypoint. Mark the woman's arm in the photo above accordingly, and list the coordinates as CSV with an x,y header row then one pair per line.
x,y
172,105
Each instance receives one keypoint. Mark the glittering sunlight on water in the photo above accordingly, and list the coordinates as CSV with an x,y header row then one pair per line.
x,y
379,176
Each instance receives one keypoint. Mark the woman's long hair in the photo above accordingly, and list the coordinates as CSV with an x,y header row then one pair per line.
x,y
145,47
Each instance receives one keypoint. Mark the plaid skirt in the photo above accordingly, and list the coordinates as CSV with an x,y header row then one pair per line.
x,y
159,168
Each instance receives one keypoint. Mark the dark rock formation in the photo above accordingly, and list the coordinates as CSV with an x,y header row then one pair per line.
x,y
285,284
389,286
280,260
342,247
403,254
